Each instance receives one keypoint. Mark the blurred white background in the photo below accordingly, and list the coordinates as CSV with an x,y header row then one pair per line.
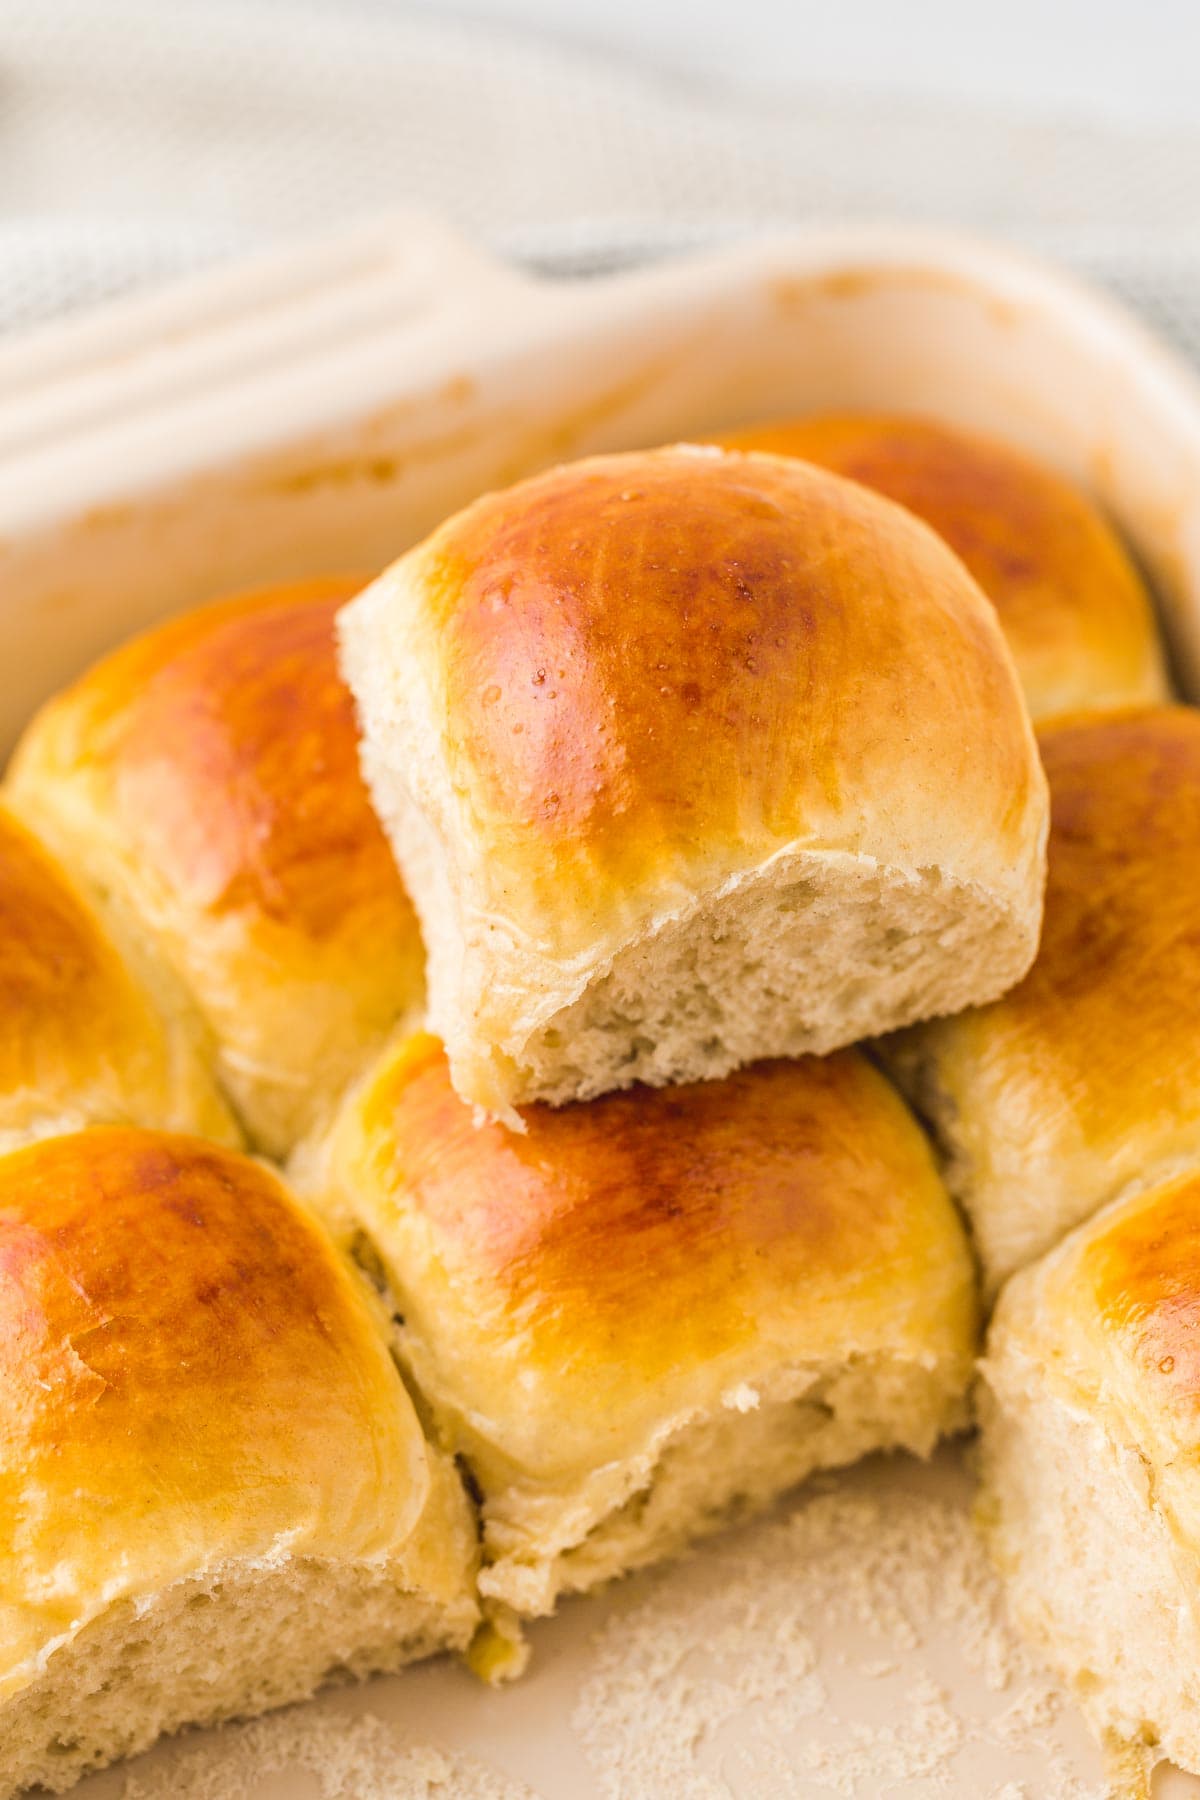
x,y
139,137
1123,60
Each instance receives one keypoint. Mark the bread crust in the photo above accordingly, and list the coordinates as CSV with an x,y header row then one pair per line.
x,y
205,778
1069,597
1084,1080
85,1038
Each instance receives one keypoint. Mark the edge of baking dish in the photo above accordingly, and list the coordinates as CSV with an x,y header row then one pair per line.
x,y
324,406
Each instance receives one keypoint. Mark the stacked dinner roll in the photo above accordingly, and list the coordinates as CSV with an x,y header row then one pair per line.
x,y
699,765
691,757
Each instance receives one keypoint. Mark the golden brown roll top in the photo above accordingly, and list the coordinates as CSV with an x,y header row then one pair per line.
x,y
1135,1285
1084,1079
644,1307
1091,1464
1115,1315
82,1037
198,1409
1071,603
205,780
190,1376
650,702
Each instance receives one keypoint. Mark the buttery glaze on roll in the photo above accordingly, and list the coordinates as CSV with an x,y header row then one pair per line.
x,y
83,1038
1071,603
1084,1081
648,1313
213,1488
204,779
691,758
1091,1467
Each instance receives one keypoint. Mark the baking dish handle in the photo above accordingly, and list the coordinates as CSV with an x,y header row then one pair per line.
x,y
285,314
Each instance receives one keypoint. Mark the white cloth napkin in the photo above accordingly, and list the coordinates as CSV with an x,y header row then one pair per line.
x,y
141,137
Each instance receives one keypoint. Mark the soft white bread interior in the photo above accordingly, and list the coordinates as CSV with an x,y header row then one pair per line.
x,y
203,780
214,1491
1083,1082
1091,1465
691,758
651,1312
88,1034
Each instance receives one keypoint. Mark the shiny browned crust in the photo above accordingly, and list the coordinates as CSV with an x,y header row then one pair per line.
x,y
1107,1013
227,743
80,1038
1140,1271
570,1283
1085,1078
65,997
1071,602
1125,836
175,1279
604,1218
207,773
645,654
1110,1321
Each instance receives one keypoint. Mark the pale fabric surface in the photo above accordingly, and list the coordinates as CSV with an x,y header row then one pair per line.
x,y
139,137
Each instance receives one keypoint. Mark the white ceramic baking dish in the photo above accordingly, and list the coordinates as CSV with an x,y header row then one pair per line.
x,y
322,408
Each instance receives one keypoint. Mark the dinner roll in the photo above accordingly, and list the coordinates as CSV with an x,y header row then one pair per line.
x,y
205,780
691,758
649,1313
214,1491
1070,600
83,1039
1085,1079
1091,1465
